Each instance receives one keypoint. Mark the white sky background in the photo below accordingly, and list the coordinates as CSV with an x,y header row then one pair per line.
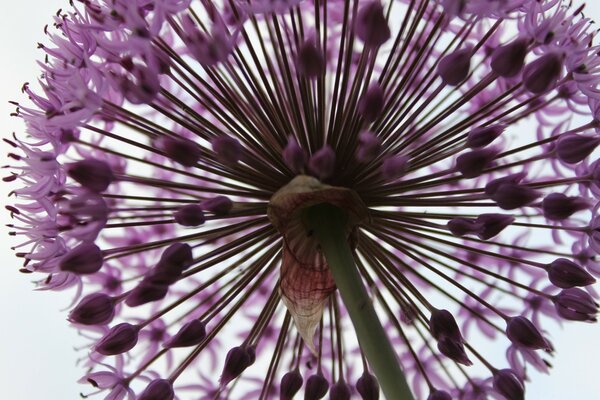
x,y
37,357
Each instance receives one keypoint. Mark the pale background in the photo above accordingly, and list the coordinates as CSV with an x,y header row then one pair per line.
x,y
37,356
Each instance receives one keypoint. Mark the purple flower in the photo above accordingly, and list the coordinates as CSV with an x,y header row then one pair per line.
x,y
174,151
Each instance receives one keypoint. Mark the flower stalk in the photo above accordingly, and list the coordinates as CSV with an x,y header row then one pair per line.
x,y
327,223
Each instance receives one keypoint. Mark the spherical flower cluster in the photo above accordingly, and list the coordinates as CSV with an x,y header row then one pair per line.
x,y
176,151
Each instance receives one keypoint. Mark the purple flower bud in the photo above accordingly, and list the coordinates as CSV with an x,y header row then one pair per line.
x,y
183,151
493,185
211,49
294,156
371,103
316,387
237,360
492,224
558,206
442,324
439,395
454,68
190,334
158,389
163,274
178,256
121,338
522,332
566,274
93,309
190,215
219,205
145,88
454,350
369,147
322,163
508,60
461,226
146,291
572,148
509,385
311,60
291,383
576,305
484,135
92,174
509,196
394,167
472,163
371,25
228,149
368,386
453,8
84,259
541,75
340,391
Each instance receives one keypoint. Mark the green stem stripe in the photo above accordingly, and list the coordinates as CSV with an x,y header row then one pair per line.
x,y
328,224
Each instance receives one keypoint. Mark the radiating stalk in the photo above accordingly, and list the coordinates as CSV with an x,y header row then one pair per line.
x,y
328,224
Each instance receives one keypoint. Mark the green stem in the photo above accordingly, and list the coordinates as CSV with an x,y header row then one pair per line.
x,y
328,223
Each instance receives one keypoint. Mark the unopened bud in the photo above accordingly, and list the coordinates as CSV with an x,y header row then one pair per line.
x,y
541,75
558,206
439,395
522,332
454,68
394,167
482,136
84,259
576,305
473,163
316,387
508,384
120,339
508,60
369,147
368,386
454,350
182,151
509,196
158,389
291,383
228,149
493,224
461,226
311,60
371,25
322,163
493,185
442,324
146,292
572,148
93,309
92,174
237,360
340,391
219,205
294,156
190,334
190,215
371,103
566,274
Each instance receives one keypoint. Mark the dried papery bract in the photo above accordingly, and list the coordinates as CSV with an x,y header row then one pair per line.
x,y
306,282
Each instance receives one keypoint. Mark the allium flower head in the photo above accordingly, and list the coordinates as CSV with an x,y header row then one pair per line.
x,y
247,197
